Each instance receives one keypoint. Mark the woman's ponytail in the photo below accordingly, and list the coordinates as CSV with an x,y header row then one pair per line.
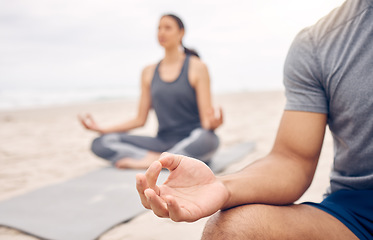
x,y
181,26
190,52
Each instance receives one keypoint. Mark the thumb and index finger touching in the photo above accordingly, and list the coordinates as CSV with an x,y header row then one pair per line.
x,y
149,179
146,184
166,160
86,119
215,117
165,205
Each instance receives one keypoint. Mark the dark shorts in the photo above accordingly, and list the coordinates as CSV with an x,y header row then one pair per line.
x,y
353,208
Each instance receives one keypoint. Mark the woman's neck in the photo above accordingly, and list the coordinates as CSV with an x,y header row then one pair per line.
x,y
173,55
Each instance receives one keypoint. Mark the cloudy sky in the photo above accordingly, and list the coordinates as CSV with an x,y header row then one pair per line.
x,y
80,43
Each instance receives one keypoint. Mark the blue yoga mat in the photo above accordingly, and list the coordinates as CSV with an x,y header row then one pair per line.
x,y
85,207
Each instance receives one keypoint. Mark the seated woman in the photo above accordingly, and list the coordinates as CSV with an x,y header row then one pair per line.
x,y
178,89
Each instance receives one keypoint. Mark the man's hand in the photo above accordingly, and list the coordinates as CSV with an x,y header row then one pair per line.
x,y
191,191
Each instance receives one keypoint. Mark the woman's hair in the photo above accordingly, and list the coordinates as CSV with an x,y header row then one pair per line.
x,y
181,26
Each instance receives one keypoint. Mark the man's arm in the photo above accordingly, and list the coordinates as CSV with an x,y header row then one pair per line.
x,y
287,171
192,191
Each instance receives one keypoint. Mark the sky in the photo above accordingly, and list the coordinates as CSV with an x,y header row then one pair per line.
x,y
105,44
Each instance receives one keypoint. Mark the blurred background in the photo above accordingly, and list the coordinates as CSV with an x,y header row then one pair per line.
x,y
65,51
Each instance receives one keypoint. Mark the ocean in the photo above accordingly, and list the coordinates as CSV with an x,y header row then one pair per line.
x,y
65,51
13,99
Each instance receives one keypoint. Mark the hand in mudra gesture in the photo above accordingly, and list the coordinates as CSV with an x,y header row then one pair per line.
x,y
89,123
190,192
214,118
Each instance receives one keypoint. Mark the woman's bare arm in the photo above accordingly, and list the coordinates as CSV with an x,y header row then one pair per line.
x,y
200,80
142,114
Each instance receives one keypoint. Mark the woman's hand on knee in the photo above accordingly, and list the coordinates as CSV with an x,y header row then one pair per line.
x,y
214,118
89,123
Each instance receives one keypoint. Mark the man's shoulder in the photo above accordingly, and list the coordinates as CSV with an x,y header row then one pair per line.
x,y
339,18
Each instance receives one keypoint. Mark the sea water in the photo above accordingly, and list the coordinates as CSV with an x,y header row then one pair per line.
x,y
65,51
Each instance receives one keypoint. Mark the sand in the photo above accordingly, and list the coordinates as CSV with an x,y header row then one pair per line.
x,y
44,146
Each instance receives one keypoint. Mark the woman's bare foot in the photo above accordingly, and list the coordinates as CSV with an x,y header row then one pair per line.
x,y
136,163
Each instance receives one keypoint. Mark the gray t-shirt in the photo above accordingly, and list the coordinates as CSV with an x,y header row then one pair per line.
x,y
329,69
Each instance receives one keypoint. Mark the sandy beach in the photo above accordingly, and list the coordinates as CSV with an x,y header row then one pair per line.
x,y
44,146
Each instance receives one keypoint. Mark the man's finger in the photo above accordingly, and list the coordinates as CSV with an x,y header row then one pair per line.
x,y
152,175
176,213
157,204
141,186
170,161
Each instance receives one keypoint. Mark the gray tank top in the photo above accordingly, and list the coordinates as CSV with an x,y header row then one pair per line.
x,y
175,104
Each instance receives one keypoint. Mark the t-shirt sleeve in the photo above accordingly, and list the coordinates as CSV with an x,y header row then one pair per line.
x,y
303,78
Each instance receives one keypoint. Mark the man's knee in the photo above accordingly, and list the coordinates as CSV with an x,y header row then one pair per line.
x,y
275,222
244,222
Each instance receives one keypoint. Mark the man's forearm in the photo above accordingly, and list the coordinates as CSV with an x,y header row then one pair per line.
x,y
272,180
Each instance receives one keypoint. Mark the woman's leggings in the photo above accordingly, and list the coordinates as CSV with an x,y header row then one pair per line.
x,y
200,144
